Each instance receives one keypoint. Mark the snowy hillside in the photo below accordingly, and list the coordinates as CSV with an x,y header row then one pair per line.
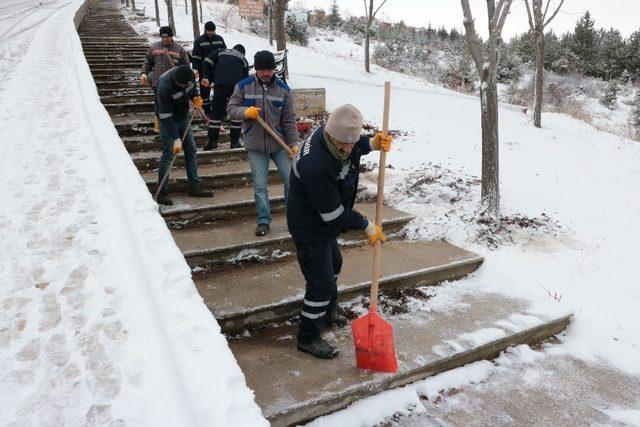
x,y
100,319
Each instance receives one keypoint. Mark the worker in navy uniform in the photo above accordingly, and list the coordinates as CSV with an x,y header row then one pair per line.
x,y
175,88
223,69
323,184
204,46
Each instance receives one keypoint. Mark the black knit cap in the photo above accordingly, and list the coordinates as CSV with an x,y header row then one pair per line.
x,y
209,26
166,31
240,49
183,74
264,60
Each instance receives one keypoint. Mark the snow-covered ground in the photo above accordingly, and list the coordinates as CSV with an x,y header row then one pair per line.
x,y
101,321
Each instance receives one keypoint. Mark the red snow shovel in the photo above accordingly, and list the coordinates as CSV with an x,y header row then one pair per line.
x,y
372,335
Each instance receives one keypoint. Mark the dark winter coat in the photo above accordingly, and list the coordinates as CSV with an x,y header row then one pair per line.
x,y
204,46
276,103
322,190
173,102
225,67
157,60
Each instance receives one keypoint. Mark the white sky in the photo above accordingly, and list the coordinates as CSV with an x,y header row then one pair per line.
x,y
621,14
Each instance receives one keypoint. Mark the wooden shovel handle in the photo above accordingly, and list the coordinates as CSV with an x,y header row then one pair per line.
x,y
274,135
377,249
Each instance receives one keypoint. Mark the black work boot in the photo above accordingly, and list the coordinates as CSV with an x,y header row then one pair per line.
x,y
164,199
262,229
211,144
337,319
319,348
198,191
236,144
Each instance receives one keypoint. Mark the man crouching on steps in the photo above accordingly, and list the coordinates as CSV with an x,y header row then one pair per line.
x,y
175,88
266,96
324,181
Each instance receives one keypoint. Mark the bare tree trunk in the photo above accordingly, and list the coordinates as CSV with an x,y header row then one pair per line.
x,y
200,2
126,3
133,4
194,18
186,11
490,193
539,83
155,3
367,38
537,22
270,22
281,36
172,23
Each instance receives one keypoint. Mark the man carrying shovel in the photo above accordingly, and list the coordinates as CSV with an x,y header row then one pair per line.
x,y
324,181
175,88
265,97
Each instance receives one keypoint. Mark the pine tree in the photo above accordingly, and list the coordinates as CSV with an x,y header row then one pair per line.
x,y
584,45
553,51
635,114
632,56
610,97
334,19
611,54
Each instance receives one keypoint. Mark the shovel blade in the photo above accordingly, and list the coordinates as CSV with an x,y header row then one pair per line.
x,y
373,339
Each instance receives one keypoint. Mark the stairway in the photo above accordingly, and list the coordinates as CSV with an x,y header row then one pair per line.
x,y
253,285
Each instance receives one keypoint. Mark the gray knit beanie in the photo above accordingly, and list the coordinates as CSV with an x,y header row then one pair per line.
x,y
345,124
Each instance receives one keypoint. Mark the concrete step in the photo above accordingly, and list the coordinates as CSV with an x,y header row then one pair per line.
x,y
149,160
228,203
136,144
140,124
116,73
126,93
99,64
101,51
129,82
256,294
211,176
235,241
109,39
129,107
124,98
115,56
451,331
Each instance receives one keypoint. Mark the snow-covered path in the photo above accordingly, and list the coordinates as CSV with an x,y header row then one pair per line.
x,y
100,320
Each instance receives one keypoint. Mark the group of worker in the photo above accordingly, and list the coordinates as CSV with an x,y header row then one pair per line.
x,y
320,174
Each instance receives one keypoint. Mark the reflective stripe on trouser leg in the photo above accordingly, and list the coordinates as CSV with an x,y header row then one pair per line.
x,y
316,261
214,130
235,130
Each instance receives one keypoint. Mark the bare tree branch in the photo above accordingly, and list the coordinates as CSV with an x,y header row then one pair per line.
x,y
473,39
381,4
554,13
526,3
503,17
546,9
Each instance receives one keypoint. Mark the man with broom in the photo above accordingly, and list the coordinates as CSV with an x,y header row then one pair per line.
x,y
323,185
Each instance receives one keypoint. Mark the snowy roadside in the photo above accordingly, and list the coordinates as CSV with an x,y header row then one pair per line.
x,y
100,319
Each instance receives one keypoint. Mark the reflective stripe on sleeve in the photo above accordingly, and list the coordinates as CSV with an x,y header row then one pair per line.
x,y
165,115
330,216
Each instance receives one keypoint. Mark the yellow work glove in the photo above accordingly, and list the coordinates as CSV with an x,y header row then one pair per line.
x,y
294,150
252,113
375,233
197,102
143,79
177,146
204,82
381,142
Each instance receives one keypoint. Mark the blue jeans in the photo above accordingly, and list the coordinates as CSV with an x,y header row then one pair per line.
x,y
189,147
260,174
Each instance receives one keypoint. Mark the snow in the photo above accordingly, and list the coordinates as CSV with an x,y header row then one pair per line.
x,y
100,319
